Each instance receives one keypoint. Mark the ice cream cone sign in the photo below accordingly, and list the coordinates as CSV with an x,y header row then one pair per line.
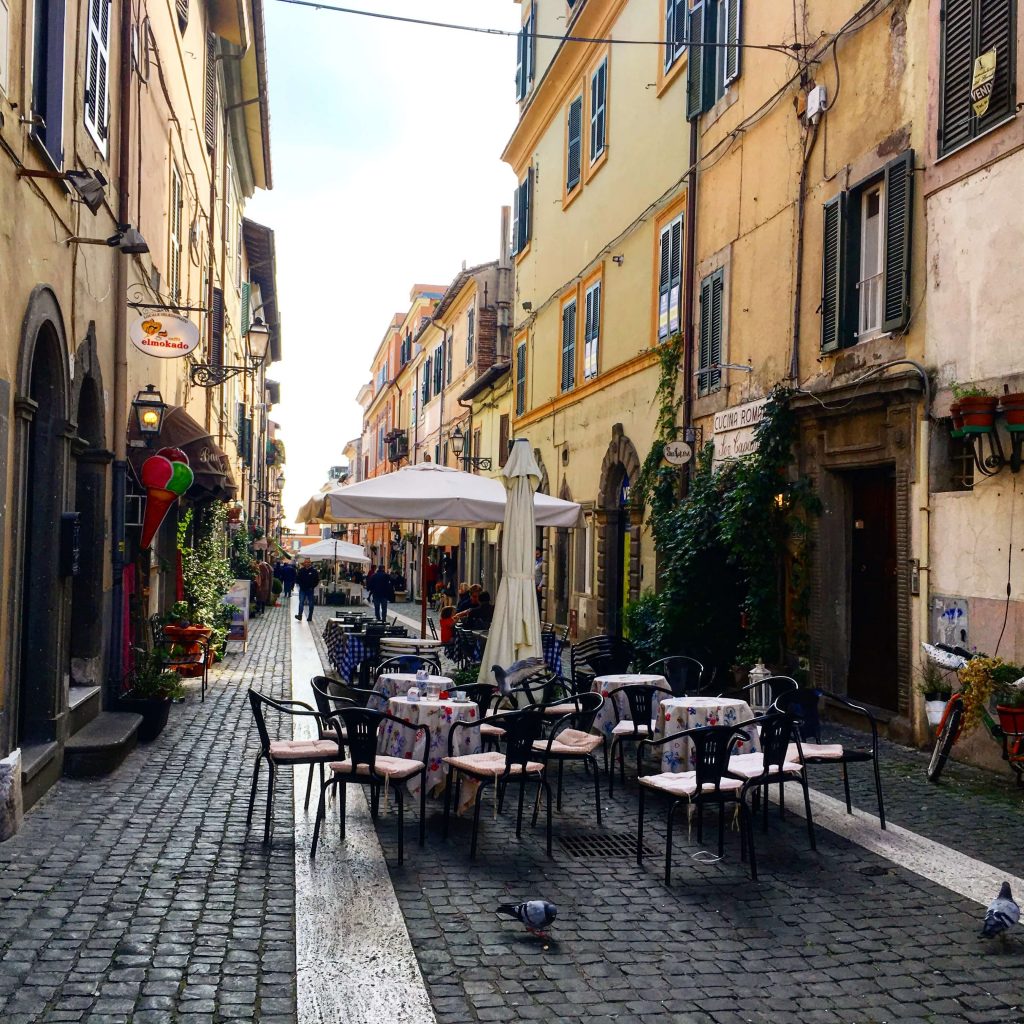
x,y
166,477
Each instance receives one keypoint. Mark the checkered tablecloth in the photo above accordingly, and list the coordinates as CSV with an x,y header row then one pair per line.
x,y
552,646
345,650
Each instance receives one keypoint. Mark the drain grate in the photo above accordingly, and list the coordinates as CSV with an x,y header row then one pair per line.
x,y
601,844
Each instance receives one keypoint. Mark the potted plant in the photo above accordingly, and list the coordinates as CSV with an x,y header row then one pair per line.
x,y
935,689
1013,409
1010,705
152,687
276,587
977,408
958,420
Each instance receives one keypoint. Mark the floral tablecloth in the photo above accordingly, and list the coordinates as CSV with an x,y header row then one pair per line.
x,y
438,716
605,720
677,714
396,684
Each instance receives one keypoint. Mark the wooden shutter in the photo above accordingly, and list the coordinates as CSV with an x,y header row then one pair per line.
x,y
246,307
449,344
598,90
899,201
470,334
996,30
425,381
670,32
664,279
575,144
439,369
174,237
210,101
695,62
503,435
531,43
569,345
704,353
517,201
733,26
521,64
833,268
217,347
182,7
957,20
717,326
97,72
520,378
528,208
675,275
240,427
591,330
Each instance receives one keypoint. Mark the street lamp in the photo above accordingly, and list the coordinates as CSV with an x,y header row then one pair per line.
x,y
207,375
458,443
149,407
258,340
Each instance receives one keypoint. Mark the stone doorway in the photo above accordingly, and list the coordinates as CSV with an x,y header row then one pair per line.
x,y
618,534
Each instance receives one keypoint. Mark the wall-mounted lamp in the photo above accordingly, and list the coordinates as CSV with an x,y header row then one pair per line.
x,y
458,443
89,185
128,240
618,260
527,305
149,408
258,339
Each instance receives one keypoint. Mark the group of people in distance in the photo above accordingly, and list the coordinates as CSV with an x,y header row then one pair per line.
x,y
473,609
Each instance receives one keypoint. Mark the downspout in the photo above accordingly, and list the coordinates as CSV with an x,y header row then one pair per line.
x,y
120,466
798,285
688,295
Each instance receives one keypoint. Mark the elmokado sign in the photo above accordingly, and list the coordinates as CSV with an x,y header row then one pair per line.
x,y
167,336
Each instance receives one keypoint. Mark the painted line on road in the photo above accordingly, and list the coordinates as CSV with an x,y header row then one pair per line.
x,y
354,957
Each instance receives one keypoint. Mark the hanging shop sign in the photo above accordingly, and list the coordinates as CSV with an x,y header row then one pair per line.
x,y
678,453
982,81
734,429
166,336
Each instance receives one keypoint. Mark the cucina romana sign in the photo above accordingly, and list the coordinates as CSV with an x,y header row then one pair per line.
x,y
734,429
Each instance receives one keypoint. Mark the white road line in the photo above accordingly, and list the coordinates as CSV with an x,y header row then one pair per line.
x,y
354,957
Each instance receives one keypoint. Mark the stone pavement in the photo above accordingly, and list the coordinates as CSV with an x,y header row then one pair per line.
x,y
136,897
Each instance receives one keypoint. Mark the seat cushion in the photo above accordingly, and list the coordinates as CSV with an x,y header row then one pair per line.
x,y
570,741
303,750
750,766
684,783
816,751
559,709
491,731
332,734
390,767
625,728
491,763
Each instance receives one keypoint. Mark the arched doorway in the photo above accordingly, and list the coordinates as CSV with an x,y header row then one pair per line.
x,y
39,588
618,533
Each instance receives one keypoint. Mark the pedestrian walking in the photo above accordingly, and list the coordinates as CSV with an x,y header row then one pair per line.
x,y
286,573
538,576
308,579
381,590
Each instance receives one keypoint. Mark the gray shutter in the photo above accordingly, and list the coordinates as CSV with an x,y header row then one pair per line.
x,y
899,201
210,103
521,64
517,200
568,346
520,379
717,327
675,278
704,352
670,32
733,27
575,146
695,63
246,307
598,91
833,272
957,19
996,31
217,318
527,218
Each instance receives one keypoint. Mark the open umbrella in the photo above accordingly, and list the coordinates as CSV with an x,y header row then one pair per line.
x,y
430,493
515,626
336,550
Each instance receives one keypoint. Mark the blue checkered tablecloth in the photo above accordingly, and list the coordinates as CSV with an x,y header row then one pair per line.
x,y
345,650
552,652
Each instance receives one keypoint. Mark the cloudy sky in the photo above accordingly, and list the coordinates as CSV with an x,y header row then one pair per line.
x,y
386,142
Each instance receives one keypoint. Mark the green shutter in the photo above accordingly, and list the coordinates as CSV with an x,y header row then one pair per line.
x,y
832,272
246,306
575,144
517,198
704,341
568,346
521,378
899,203
717,327
695,63
521,64
733,26
528,208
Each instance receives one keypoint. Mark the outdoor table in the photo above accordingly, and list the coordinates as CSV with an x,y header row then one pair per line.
x,y
677,714
344,649
396,684
605,720
409,644
438,716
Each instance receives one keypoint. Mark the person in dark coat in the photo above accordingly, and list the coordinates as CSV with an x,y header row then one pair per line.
x,y
286,573
308,579
381,590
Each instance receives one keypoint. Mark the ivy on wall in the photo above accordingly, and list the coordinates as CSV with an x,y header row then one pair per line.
x,y
206,571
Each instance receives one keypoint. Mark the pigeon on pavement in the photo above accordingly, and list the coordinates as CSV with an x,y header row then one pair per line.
x,y
537,915
1002,914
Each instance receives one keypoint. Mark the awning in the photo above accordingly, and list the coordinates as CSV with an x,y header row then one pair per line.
x,y
444,536
210,465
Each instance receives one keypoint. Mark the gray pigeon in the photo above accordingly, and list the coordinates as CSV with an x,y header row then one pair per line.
x,y
1002,914
535,914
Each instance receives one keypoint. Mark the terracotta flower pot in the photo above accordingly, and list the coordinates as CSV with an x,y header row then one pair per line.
x,y
958,420
1011,719
979,413
1013,410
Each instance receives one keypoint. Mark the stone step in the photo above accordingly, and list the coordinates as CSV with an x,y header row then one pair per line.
x,y
99,747
83,706
40,769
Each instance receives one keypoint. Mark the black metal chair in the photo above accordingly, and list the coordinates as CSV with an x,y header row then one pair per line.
x,y
683,674
357,730
769,766
432,628
599,656
639,726
327,705
772,686
802,704
486,696
571,739
521,730
711,782
284,753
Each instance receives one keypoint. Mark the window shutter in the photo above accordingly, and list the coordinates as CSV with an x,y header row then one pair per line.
x,y
97,72
670,32
568,345
48,79
217,348
521,64
517,202
210,103
246,306
240,428
733,25
531,43
449,345
704,355
598,91
591,330
695,63
675,275
174,233
503,434
899,200
996,31
957,69
717,327
520,378
664,280
182,7
425,381
833,272
528,207
575,143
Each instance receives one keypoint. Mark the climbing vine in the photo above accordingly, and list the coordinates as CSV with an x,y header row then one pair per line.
x,y
206,572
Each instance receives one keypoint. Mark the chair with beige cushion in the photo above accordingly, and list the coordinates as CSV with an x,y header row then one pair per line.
x,y
520,729
639,726
358,729
710,782
278,753
803,706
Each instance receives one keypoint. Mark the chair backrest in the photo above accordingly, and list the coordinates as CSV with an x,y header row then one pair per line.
x,y
802,705
640,697
601,656
484,694
684,674
361,726
583,708
529,677
156,628
776,734
408,663
713,746
327,703
773,685
432,627
522,729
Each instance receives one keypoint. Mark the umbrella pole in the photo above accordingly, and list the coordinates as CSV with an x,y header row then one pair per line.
x,y
423,583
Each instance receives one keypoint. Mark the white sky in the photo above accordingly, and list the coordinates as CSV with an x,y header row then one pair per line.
x,y
386,141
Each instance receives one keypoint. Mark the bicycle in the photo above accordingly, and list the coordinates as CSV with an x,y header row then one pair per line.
x,y
951,724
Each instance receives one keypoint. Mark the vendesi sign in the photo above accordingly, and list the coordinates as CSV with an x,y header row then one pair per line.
x,y
167,336
734,429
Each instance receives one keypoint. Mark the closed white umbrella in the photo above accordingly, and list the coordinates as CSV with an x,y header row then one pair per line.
x,y
515,626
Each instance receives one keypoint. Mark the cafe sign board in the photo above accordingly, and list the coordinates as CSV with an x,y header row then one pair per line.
x,y
734,429
166,336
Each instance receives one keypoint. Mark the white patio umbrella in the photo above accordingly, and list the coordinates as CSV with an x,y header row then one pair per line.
x,y
515,626
431,493
333,550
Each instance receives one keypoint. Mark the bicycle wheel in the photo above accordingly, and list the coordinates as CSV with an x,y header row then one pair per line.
x,y
944,743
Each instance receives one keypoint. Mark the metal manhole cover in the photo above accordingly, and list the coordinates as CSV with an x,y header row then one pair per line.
x,y
601,844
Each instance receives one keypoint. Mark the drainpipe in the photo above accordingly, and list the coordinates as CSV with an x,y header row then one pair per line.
x,y
798,285
120,466
688,295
